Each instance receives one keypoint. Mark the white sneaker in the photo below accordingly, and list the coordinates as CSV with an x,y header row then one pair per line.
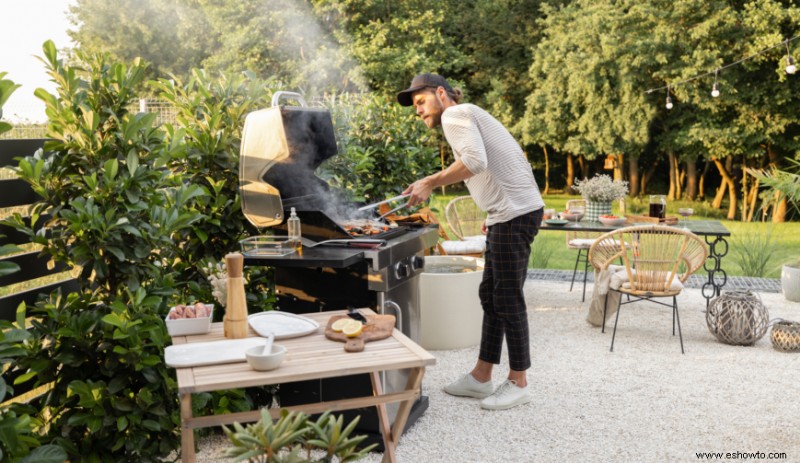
x,y
467,386
506,396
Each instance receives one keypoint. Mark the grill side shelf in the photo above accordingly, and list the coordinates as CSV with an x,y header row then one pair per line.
x,y
321,256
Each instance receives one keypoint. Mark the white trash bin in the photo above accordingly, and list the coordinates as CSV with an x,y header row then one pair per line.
x,y
450,309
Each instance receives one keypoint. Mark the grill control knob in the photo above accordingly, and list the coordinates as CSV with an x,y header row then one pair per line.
x,y
417,262
402,270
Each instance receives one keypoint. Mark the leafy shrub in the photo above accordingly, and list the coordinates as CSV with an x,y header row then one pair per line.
x,y
7,87
383,147
779,184
208,128
112,210
19,439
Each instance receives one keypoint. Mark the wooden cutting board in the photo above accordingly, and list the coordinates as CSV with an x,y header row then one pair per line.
x,y
644,219
377,327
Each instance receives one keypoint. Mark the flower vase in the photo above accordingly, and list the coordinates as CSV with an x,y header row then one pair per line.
x,y
594,209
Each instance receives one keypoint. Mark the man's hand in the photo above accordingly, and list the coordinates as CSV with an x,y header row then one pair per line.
x,y
419,191
484,228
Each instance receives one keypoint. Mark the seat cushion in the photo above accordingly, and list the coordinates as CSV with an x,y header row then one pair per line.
x,y
464,247
620,280
582,243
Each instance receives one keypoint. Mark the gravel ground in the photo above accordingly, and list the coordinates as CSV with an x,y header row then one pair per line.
x,y
643,402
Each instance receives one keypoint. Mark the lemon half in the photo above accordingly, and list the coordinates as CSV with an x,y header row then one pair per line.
x,y
353,328
339,324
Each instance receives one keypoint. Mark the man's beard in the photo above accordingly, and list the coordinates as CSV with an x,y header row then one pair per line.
x,y
436,118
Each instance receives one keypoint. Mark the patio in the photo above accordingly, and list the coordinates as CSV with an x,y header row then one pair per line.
x,y
644,402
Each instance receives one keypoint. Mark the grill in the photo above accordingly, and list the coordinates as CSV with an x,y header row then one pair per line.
x,y
282,146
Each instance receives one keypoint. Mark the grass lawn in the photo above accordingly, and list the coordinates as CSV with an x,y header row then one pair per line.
x,y
755,249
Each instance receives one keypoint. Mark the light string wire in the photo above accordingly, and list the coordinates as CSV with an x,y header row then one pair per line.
x,y
726,66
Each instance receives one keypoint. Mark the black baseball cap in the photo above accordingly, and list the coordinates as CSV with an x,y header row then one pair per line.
x,y
426,80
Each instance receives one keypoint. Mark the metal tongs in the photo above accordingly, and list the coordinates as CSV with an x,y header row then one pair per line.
x,y
385,201
393,210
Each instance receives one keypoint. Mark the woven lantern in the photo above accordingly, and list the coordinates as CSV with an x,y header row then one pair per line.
x,y
786,336
738,318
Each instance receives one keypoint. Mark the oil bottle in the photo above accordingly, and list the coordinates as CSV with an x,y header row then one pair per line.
x,y
293,224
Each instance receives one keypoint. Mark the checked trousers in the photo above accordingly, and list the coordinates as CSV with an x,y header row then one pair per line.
x,y
508,248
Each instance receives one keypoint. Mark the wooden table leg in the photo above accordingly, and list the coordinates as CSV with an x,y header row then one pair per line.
x,y
414,383
187,433
389,443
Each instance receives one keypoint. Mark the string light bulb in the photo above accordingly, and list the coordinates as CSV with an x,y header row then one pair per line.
x,y
715,88
790,67
669,100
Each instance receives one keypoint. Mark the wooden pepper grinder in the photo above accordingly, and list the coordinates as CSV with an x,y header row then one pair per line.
x,y
235,322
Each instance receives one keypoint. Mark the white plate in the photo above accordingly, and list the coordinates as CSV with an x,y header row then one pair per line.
x,y
284,325
613,222
209,353
557,222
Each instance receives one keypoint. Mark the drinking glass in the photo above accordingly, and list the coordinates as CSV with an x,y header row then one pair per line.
x,y
685,212
580,210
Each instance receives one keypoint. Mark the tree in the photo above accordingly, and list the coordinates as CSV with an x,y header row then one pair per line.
x,y
753,119
272,38
587,96
173,36
279,39
394,41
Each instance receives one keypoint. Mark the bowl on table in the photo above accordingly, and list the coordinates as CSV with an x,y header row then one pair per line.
x,y
611,220
185,320
265,361
572,216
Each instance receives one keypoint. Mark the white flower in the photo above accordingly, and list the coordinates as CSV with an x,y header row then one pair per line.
x,y
217,275
601,188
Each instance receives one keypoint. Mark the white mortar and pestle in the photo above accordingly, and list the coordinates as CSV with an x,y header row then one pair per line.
x,y
266,357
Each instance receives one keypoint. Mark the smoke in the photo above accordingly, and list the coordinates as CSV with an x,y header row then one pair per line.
x,y
309,140
325,65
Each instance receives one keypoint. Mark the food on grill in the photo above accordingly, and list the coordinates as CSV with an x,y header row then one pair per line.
x,y
196,310
365,227
423,216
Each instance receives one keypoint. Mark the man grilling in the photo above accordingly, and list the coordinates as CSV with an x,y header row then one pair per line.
x,y
500,180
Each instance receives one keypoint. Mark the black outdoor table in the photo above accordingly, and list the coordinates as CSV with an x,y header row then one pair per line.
x,y
712,231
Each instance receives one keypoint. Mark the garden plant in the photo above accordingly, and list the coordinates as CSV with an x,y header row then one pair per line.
x,y
295,438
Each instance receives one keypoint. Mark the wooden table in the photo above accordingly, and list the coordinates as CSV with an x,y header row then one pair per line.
x,y
307,357
712,231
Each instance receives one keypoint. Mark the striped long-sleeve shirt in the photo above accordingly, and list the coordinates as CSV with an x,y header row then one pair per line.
x,y
503,184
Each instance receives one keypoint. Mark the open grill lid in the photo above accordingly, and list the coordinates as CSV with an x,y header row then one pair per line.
x,y
281,148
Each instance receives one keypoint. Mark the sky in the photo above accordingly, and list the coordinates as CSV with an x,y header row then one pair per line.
x,y
24,26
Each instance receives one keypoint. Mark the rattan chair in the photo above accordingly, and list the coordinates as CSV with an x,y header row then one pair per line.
x,y
581,241
465,220
464,217
657,259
